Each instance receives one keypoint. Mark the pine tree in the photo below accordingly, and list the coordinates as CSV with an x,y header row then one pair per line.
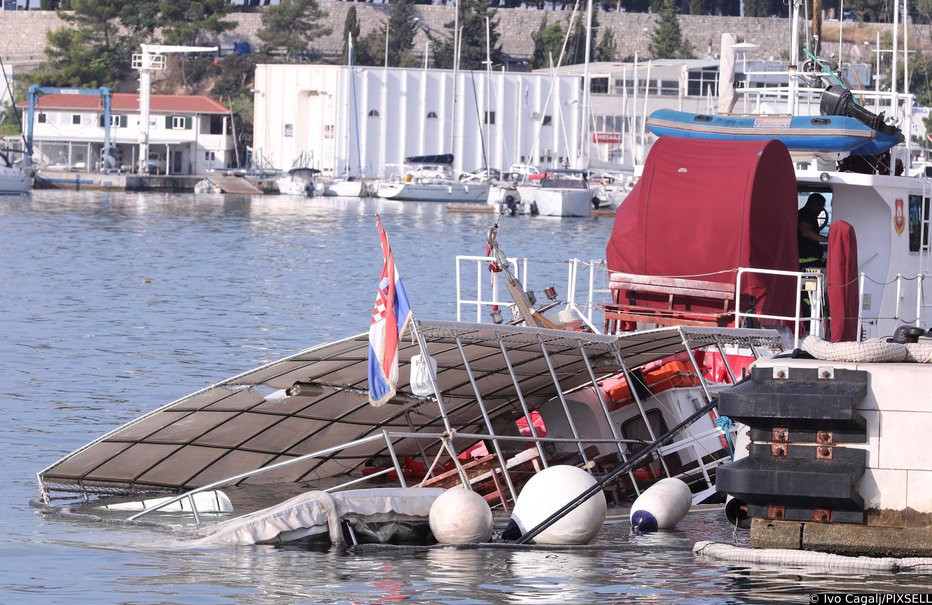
x,y
291,27
548,41
576,45
186,23
472,22
667,41
402,27
350,30
96,47
607,50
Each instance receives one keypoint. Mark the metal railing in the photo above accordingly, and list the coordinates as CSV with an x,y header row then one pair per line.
x,y
487,293
813,284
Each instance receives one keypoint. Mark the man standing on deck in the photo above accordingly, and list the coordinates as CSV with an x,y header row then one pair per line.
x,y
810,247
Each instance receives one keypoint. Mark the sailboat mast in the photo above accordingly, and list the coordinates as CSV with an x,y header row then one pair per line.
x,y
487,144
456,64
583,152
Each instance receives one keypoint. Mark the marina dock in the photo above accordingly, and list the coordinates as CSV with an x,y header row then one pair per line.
x,y
487,209
99,181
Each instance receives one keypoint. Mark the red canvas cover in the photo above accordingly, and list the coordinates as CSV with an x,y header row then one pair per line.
x,y
704,208
842,282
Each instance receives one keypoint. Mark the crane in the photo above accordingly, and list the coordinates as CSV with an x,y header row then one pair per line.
x,y
149,60
35,91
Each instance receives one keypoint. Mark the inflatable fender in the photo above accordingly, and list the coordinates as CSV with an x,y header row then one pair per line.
x,y
661,506
546,493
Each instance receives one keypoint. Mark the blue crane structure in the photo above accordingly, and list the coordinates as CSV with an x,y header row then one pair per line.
x,y
108,156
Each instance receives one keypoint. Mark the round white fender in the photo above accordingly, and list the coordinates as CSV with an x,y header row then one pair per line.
x,y
661,506
546,493
460,516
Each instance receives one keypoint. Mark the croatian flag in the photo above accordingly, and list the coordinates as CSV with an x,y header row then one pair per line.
x,y
389,318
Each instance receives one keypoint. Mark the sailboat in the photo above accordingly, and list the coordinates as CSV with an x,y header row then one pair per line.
x,y
349,184
13,179
566,192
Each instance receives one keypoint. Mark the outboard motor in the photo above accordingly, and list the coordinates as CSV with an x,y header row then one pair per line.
x,y
837,101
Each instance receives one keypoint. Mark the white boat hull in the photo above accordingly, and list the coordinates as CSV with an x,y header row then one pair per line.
x,y
557,202
445,191
13,181
290,186
344,188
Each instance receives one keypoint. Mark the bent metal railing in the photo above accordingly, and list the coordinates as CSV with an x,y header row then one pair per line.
x,y
444,440
389,437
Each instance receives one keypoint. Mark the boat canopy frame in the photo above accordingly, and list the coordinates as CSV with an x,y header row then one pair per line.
x,y
472,396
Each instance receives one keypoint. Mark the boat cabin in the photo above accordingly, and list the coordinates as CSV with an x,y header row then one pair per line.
x,y
720,218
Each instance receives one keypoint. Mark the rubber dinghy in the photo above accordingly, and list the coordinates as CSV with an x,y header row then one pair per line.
x,y
825,134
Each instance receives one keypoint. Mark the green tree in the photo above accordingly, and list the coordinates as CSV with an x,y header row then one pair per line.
x,y
96,46
667,41
607,50
233,86
472,22
189,23
548,41
401,29
350,30
576,45
291,27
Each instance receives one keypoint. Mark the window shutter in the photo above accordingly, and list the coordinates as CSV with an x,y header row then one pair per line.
x,y
122,121
100,120
188,122
168,122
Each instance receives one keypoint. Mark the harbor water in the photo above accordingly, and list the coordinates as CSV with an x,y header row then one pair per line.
x,y
112,304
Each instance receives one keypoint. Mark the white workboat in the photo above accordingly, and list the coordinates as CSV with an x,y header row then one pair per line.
x,y
556,193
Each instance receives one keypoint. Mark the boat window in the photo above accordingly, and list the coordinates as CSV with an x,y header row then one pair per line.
x,y
918,216
490,117
373,113
635,428
431,115
547,121
42,118
803,194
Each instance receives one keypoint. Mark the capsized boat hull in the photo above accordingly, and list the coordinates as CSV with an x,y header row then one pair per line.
x,y
306,418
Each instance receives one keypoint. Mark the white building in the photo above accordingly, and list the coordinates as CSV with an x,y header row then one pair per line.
x,y
359,120
187,134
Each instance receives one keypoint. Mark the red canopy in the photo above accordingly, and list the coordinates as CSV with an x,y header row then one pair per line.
x,y
704,208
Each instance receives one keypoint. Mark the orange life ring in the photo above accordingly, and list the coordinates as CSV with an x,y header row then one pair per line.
x,y
667,376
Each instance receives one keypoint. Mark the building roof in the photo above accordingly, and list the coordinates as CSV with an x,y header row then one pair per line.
x,y
129,102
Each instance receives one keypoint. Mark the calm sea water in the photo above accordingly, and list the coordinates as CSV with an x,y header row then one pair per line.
x,y
113,304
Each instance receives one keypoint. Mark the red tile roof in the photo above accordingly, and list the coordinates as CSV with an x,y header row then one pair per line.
x,y
130,102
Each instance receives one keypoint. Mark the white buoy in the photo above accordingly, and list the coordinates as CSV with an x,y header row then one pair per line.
x,y
546,493
460,516
661,506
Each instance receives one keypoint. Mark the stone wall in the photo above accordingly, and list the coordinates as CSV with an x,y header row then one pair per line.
x,y
22,34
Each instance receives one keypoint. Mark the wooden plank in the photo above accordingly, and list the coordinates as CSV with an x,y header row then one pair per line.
x,y
666,316
670,285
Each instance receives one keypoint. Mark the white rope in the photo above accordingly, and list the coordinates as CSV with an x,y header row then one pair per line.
x,y
809,559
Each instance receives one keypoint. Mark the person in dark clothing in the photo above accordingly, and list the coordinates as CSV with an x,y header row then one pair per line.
x,y
810,248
